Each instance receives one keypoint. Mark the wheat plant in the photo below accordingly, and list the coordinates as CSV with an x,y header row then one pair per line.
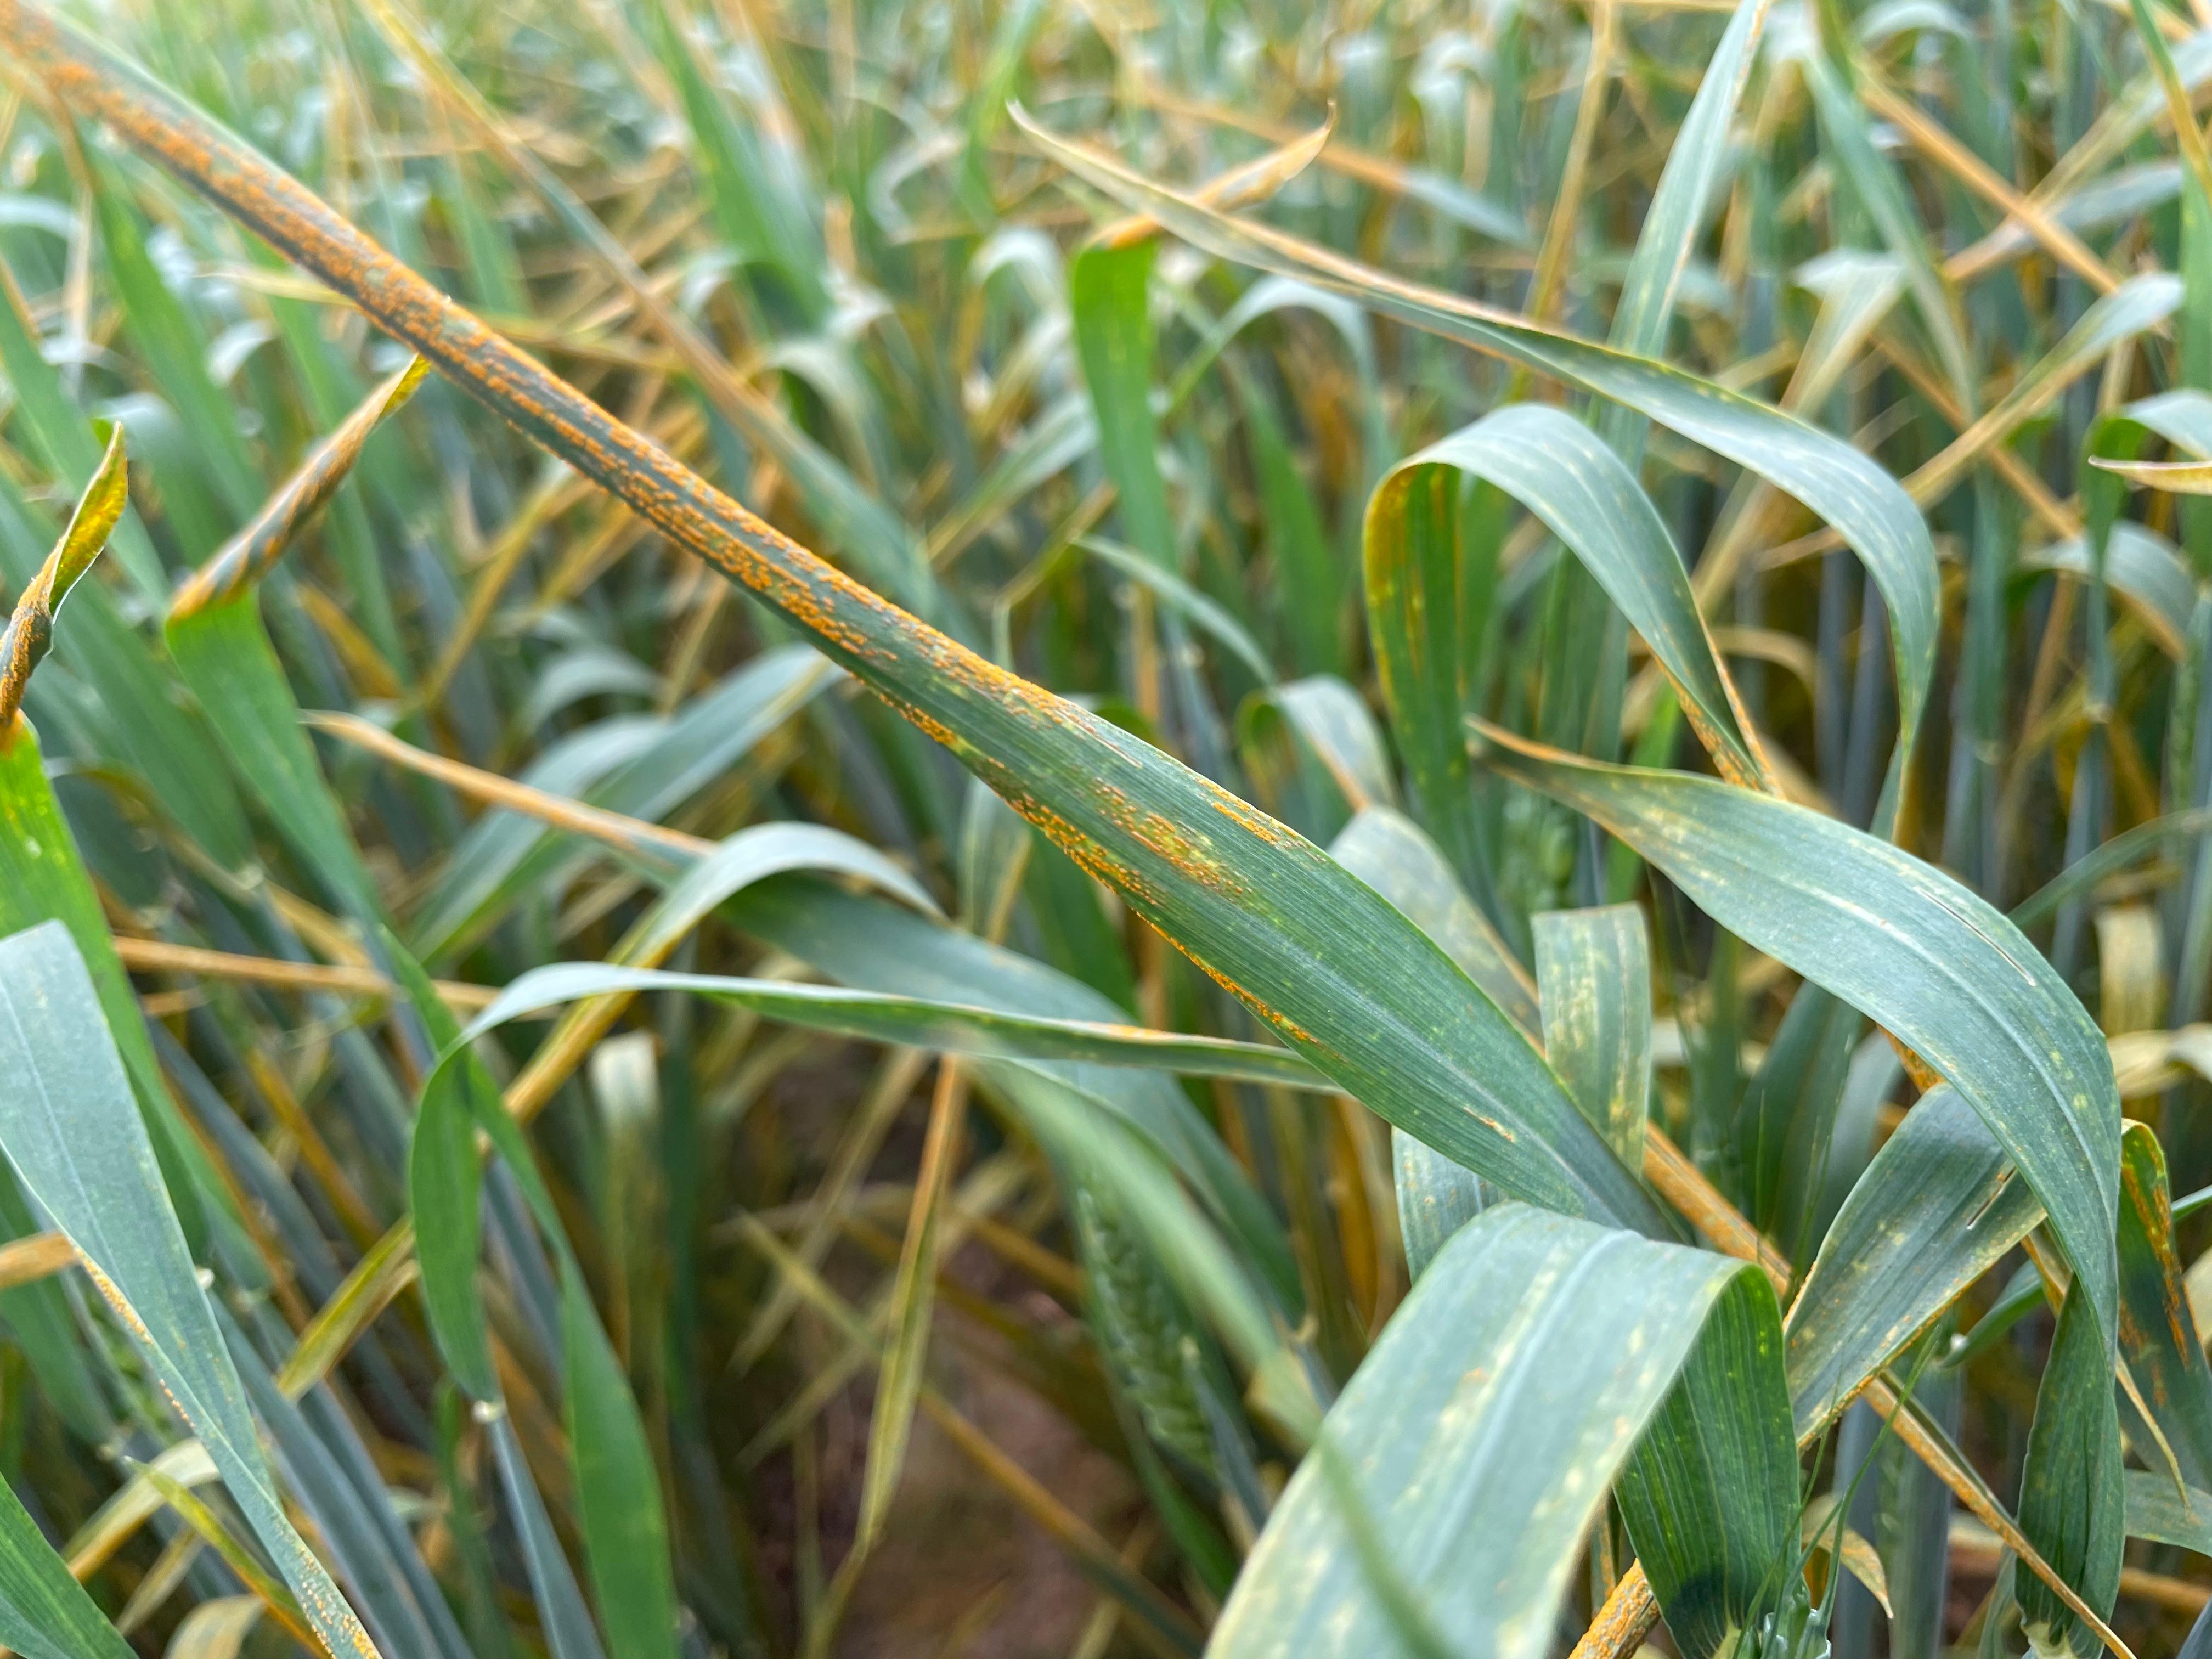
x,y
1029,826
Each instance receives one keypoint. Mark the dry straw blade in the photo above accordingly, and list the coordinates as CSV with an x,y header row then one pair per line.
x,y
250,555
2175,477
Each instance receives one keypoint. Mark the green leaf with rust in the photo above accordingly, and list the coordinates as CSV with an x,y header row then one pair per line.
x,y
2159,1340
2072,1503
1710,1496
1940,1206
1522,1366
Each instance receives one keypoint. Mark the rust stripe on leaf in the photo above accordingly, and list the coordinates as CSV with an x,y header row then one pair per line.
x,y
248,557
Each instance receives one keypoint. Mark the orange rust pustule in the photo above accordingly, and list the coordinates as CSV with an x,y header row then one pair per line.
x,y
1279,1020
22,642
1191,854
1096,861
1249,817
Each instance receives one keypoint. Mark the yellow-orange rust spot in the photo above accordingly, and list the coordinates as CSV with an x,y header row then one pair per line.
x,y
1273,831
115,1298
1191,854
1280,1021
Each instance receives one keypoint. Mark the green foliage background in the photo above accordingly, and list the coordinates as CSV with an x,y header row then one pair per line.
x,y
1506,786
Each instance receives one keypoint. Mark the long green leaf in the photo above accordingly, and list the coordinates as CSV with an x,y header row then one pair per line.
x,y
1436,1196
1521,1367
1938,1207
2158,1512
2072,1505
74,1136
1388,851
914,1022
1109,296
1695,164
617,1485
1784,1141
45,1614
618,1491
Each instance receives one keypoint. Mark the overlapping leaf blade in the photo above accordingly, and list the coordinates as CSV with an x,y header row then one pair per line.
x,y
1711,1494
1905,945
